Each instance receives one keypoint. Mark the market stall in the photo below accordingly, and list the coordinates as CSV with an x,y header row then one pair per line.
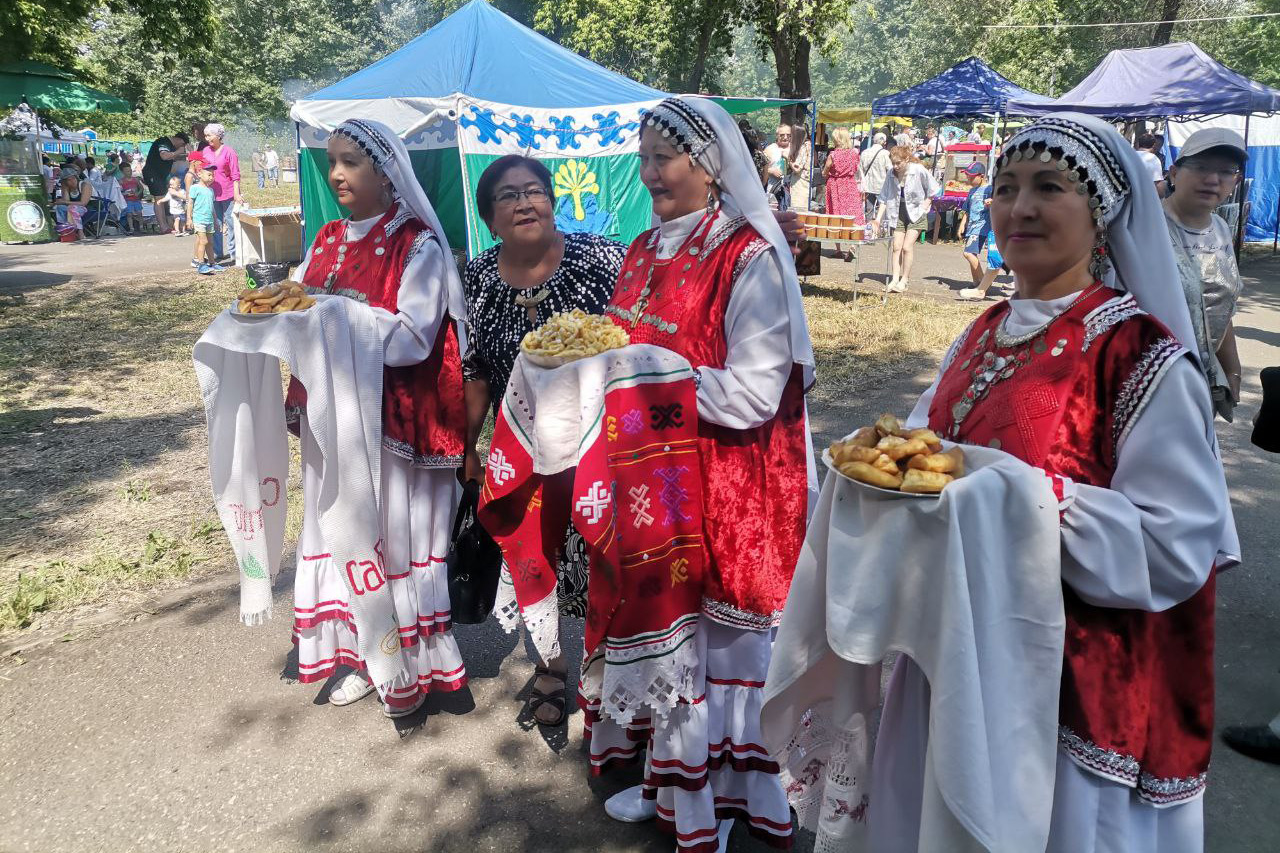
x,y
1180,81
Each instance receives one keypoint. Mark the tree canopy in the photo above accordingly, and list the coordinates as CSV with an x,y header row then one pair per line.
x,y
243,61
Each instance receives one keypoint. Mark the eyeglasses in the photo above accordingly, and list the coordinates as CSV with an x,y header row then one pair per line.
x,y
1226,173
511,198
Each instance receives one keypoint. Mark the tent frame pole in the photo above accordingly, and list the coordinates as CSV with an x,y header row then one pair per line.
x,y
1242,194
813,146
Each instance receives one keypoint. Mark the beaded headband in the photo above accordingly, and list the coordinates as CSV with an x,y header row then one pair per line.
x,y
370,141
1087,161
681,125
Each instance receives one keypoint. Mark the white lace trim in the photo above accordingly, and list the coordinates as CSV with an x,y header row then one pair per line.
x,y
644,677
826,772
541,620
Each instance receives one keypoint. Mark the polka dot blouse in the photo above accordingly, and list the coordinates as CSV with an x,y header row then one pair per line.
x,y
584,279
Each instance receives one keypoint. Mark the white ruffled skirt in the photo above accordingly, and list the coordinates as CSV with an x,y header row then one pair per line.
x,y
417,517
706,760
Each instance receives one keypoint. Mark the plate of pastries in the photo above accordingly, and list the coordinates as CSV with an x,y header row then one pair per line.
x,y
273,299
571,335
888,457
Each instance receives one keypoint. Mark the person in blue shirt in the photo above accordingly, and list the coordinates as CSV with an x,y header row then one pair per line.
x,y
975,225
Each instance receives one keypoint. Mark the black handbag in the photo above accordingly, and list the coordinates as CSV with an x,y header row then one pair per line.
x,y
1266,427
474,562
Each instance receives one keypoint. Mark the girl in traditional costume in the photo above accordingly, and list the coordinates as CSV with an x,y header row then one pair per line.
x,y
715,282
390,254
1090,373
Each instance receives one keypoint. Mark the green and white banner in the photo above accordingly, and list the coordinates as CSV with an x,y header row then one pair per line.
x,y
590,152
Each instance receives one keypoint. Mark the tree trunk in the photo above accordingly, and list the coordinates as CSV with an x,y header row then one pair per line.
x,y
705,31
1168,14
791,59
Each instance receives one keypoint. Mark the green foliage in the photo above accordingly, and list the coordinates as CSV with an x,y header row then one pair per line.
x,y
54,30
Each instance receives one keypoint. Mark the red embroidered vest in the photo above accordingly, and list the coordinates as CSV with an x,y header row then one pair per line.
x,y
423,416
1136,703
754,482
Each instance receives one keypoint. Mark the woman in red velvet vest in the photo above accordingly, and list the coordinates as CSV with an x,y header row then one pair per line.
x,y
715,282
1088,372
390,255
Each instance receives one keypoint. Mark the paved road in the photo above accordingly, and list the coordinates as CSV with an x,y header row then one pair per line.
x,y
25,267
182,731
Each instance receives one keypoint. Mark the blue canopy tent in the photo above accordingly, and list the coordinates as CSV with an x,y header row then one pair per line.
x,y
968,88
1181,81
479,85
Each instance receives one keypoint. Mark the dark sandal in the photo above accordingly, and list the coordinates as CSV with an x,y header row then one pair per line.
x,y
555,699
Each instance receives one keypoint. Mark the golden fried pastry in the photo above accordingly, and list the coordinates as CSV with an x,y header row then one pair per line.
x,y
928,436
274,299
865,437
865,473
890,441
843,451
907,447
885,464
938,462
888,425
924,482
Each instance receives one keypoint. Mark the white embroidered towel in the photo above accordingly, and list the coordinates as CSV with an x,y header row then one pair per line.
x,y
335,350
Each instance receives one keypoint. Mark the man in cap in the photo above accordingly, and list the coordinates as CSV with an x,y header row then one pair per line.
x,y
1208,170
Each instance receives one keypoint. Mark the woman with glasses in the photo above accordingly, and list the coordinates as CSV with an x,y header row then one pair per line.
x,y
1205,175
534,271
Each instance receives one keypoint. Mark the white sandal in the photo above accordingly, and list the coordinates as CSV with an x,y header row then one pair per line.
x,y
352,688
403,712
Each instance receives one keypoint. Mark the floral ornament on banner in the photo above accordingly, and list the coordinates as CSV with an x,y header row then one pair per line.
x,y
578,201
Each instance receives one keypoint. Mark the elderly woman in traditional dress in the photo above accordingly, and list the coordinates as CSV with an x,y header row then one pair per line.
x,y
715,282
391,255
1090,373
511,289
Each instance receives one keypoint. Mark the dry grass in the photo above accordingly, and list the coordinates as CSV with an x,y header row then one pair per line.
x,y
269,196
102,448
105,493
862,344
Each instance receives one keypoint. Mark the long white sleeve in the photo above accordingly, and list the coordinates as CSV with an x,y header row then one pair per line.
x,y
747,390
410,333
1150,540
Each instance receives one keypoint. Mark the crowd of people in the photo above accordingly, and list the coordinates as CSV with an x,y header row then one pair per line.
x,y
1121,319
189,181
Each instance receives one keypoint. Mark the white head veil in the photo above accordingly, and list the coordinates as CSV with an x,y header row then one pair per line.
x,y
1124,202
702,128
391,159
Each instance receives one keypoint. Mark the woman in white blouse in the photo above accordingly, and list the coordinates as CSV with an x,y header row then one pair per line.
x,y
903,208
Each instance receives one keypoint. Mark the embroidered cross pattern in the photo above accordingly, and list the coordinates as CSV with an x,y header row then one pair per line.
x,y
640,503
633,422
666,417
673,494
501,469
679,571
592,504
527,569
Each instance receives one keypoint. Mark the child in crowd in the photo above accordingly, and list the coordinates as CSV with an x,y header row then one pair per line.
x,y
176,198
134,192
73,202
202,215
975,224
